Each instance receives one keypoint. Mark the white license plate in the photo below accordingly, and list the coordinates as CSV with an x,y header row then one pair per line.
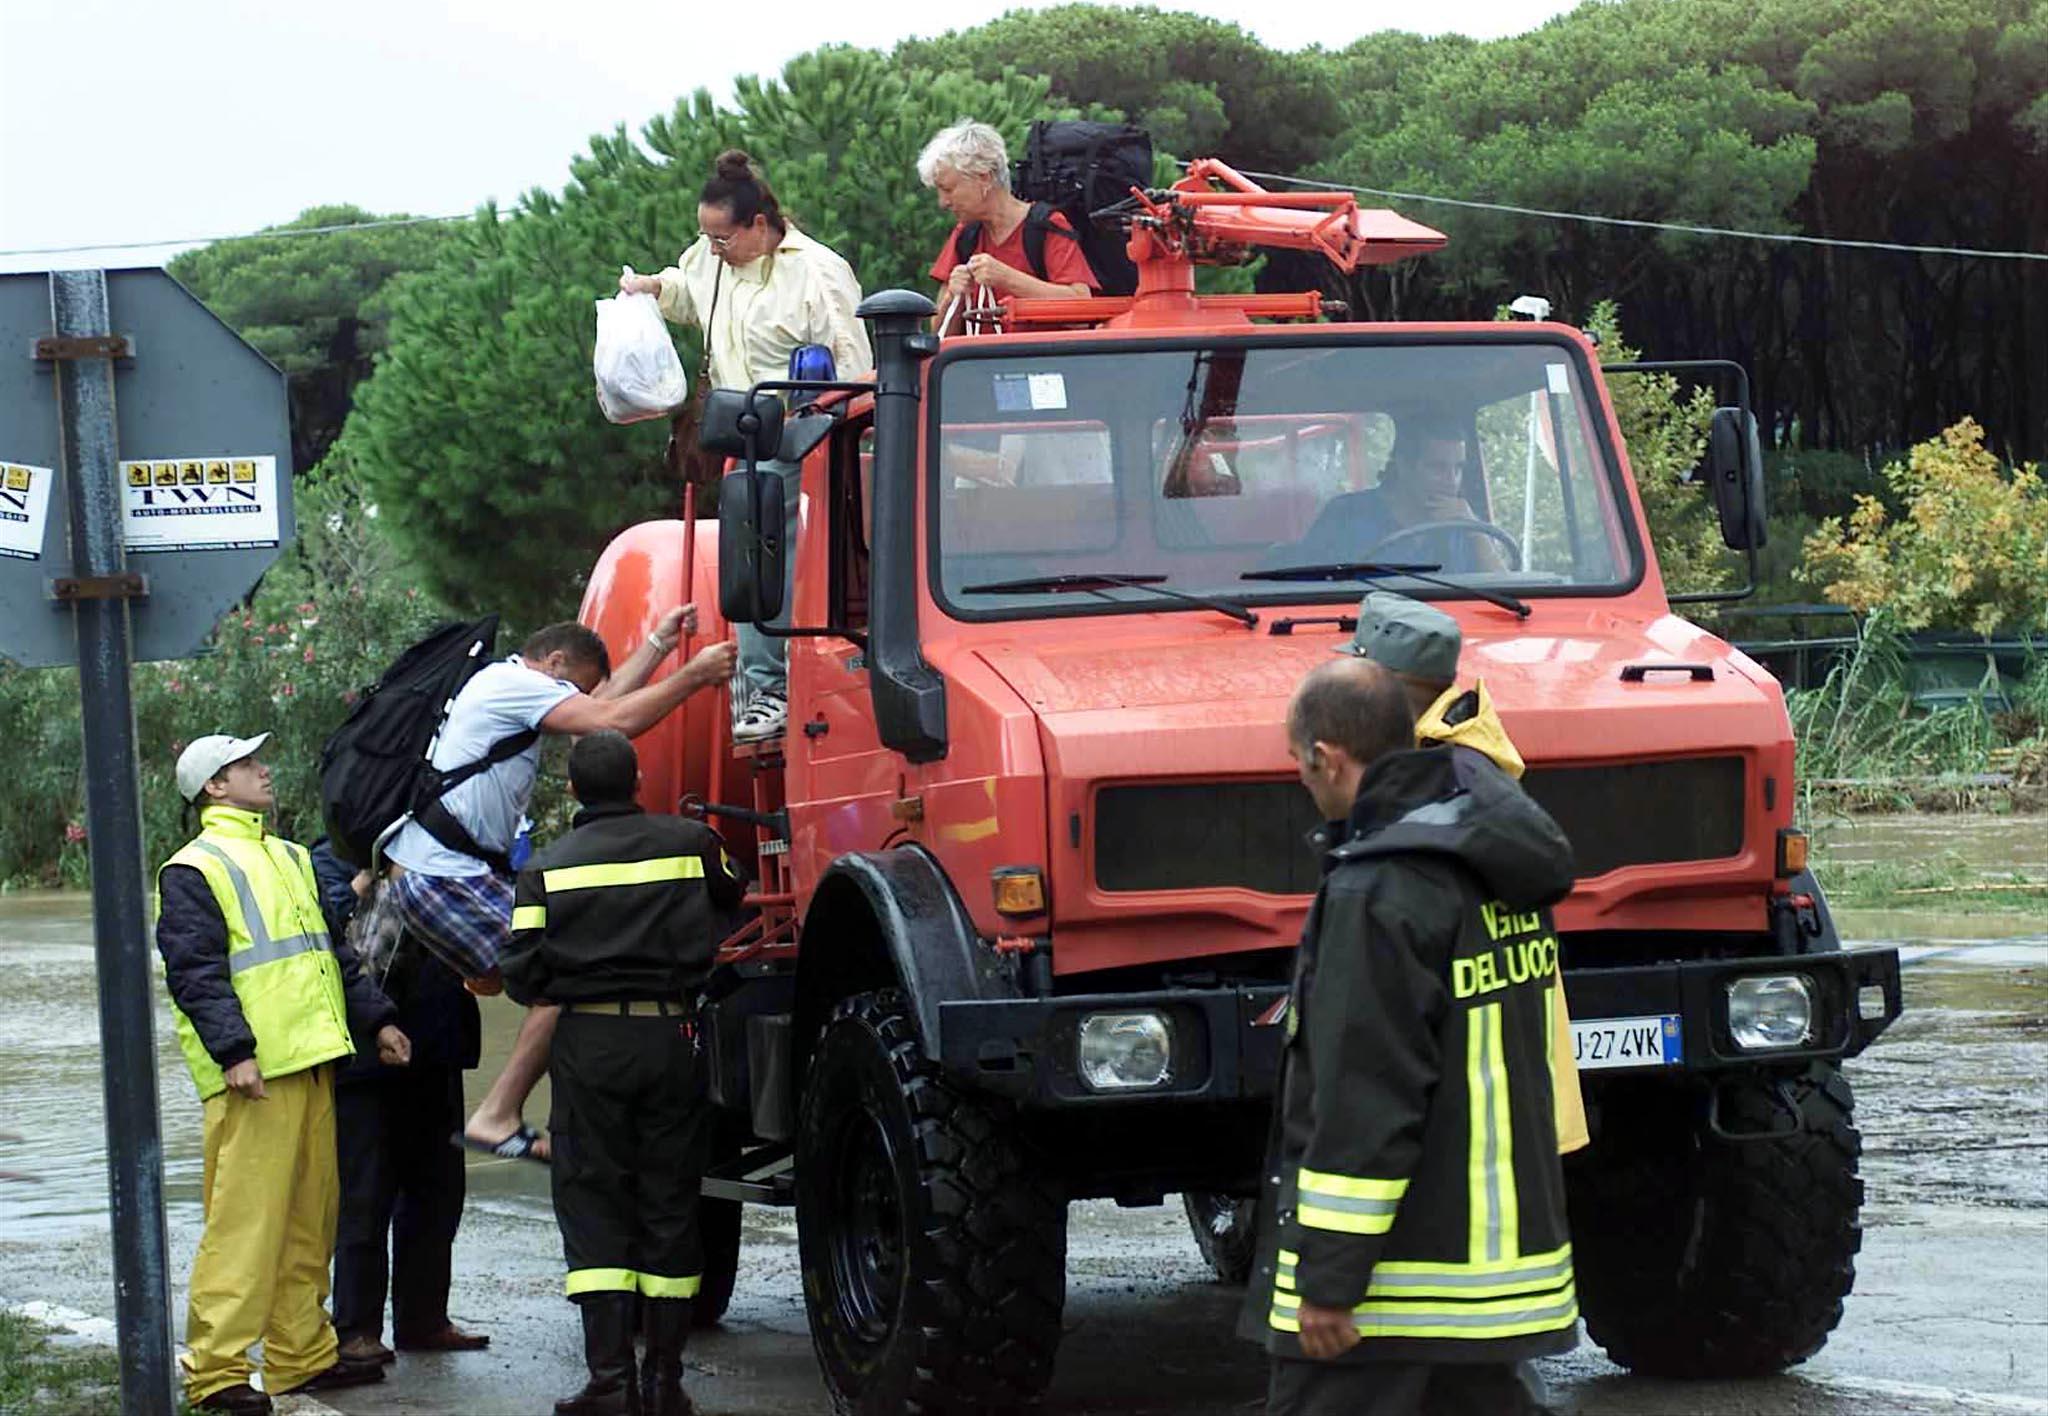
x,y
1628,1042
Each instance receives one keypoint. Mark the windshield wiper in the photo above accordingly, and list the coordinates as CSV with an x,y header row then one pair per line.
x,y
1095,582
1372,570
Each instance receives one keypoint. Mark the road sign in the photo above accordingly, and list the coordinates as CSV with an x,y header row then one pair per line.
x,y
201,410
106,560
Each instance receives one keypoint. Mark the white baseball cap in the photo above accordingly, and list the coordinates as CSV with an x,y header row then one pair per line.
x,y
203,758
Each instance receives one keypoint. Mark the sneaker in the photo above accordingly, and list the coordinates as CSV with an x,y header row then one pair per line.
x,y
765,717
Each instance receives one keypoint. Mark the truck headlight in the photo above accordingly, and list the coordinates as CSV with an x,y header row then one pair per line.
x,y
1125,1051
1770,1010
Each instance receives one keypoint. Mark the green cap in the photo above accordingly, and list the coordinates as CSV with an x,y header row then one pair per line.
x,y
1406,636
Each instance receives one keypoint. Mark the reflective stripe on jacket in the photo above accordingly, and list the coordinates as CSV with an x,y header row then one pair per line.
x,y
282,968
628,905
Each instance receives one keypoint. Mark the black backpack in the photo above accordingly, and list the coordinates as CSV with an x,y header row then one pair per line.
x,y
1077,169
376,767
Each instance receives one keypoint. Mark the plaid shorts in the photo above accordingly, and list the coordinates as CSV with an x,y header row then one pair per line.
x,y
465,919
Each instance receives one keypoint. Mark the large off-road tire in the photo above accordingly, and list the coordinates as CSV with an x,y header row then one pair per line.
x,y
718,1230
934,1255
1699,1256
1225,1230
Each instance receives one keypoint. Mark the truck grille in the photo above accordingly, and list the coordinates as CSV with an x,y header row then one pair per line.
x,y
1252,835
1202,835
1639,813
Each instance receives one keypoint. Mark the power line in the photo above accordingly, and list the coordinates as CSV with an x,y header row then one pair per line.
x,y
1683,227
1589,218
241,236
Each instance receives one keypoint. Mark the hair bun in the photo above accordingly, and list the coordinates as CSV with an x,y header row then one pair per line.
x,y
734,166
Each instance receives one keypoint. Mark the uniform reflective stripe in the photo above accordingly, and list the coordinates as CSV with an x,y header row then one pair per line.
x,y
529,917
597,1280
630,872
655,1286
1470,1321
1348,1203
1504,1137
268,951
1398,1279
245,896
1346,1216
1348,1187
1550,1033
262,948
1485,1091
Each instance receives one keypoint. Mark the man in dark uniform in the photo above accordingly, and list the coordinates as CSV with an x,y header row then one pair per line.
x,y
402,1184
1418,1253
616,923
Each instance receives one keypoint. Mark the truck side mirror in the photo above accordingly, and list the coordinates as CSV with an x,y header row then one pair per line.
x,y
741,424
1735,467
750,549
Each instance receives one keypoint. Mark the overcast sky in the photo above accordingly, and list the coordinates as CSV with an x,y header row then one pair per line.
x,y
134,120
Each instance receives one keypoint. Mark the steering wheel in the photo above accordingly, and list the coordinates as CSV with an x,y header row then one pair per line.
x,y
1451,523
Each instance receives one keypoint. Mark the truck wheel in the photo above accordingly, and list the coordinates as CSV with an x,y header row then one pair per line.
x,y
718,1231
1704,1257
934,1257
1225,1230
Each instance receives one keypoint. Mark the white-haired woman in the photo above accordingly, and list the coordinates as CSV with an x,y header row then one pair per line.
x,y
1012,246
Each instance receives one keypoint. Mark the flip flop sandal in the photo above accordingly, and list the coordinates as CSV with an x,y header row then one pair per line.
x,y
517,1146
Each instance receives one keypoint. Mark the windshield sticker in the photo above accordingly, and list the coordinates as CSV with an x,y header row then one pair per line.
x,y
1031,393
1560,378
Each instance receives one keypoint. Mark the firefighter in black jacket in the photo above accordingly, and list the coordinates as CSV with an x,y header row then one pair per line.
x,y
617,923
1418,1251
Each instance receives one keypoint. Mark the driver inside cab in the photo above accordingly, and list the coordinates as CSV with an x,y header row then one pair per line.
x,y
1421,487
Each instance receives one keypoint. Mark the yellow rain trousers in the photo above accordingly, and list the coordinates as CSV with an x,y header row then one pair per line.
x,y
1483,733
272,1198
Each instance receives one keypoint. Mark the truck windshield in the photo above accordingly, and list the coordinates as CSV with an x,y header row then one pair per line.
x,y
1217,470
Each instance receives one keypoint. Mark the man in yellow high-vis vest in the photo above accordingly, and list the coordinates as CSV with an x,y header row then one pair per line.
x,y
264,1001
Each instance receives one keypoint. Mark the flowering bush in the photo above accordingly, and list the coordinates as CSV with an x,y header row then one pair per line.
x,y
1970,550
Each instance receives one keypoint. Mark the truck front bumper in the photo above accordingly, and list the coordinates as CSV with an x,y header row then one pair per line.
x,y
1854,993
1224,1044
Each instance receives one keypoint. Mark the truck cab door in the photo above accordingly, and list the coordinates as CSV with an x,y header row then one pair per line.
x,y
841,779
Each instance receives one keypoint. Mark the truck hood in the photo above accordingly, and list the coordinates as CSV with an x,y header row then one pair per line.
x,y
1222,697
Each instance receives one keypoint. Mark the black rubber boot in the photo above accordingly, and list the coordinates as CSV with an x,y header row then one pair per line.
x,y
608,1352
665,1324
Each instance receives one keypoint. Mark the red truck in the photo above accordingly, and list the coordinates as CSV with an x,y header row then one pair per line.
x,y
1030,862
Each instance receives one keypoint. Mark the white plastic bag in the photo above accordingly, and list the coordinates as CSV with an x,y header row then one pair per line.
x,y
639,374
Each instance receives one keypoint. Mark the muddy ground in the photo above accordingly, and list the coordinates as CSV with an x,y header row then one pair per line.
x,y
1950,1311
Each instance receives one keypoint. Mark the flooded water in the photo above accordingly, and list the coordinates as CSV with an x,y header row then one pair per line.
x,y
52,1131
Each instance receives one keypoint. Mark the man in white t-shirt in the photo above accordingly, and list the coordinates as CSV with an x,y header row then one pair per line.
x,y
452,882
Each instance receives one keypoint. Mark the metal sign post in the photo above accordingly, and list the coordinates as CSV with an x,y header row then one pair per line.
x,y
105,563
101,589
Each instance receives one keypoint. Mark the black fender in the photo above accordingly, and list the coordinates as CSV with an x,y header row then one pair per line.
x,y
892,919
1801,922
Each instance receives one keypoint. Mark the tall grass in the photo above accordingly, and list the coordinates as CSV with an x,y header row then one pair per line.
x,y
1861,724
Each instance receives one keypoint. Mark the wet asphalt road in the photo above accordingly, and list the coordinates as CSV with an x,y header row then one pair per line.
x,y
1950,1311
